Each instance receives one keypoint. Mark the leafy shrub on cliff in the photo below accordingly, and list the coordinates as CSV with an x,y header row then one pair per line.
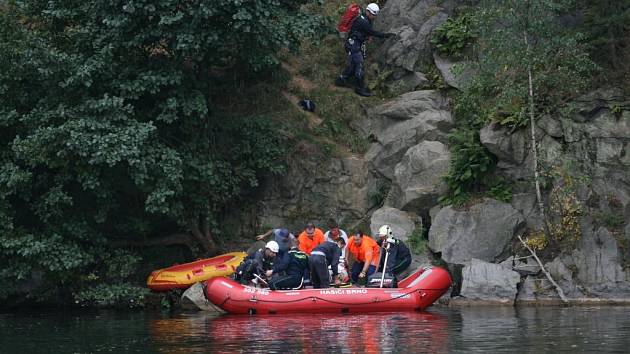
x,y
454,35
417,241
470,162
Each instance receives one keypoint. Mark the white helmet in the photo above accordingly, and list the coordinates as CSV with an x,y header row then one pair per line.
x,y
385,230
272,246
373,9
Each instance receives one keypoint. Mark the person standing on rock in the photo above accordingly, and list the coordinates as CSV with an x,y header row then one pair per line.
x,y
359,33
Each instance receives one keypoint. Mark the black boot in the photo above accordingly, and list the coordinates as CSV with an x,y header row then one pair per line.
x,y
361,89
341,81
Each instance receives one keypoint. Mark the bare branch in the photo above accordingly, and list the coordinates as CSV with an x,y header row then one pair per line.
x,y
544,270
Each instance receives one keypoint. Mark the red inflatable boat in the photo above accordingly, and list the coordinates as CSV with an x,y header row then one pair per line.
x,y
416,292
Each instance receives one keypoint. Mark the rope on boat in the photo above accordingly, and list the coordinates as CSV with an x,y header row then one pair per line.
x,y
332,301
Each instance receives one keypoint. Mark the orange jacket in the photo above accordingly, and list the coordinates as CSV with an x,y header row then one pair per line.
x,y
307,244
368,251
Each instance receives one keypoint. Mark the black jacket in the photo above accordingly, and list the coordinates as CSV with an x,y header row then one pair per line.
x,y
332,252
362,28
261,263
293,263
398,252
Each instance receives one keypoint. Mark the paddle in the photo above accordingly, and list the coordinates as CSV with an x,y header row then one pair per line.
x,y
261,279
386,248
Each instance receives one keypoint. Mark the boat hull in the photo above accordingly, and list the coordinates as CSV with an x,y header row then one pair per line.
x,y
416,292
184,275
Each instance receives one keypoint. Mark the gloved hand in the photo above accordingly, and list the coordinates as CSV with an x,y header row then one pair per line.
x,y
390,35
391,240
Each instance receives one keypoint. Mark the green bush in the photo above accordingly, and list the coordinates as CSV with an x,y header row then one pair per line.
x,y
454,35
611,220
417,241
470,162
379,195
114,295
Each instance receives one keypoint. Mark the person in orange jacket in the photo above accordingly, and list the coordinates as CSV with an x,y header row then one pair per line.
x,y
310,238
366,252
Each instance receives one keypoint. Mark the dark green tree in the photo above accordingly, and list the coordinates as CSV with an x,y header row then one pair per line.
x,y
607,26
111,132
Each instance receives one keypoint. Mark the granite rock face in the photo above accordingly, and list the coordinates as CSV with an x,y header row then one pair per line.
x,y
312,192
418,177
489,282
401,222
484,231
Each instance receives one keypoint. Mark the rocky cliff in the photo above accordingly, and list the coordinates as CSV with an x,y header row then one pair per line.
x,y
410,153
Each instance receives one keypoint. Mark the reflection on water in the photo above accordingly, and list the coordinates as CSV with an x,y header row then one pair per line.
x,y
440,330
309,333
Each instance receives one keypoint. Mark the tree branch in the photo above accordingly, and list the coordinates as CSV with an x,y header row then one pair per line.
x,y
203,238
544,270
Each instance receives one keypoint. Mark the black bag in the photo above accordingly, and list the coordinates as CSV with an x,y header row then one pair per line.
x,y
374,280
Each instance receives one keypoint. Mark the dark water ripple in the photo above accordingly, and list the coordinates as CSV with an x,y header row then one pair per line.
x,y
440,330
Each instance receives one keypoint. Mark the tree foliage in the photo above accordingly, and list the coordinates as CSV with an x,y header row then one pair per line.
x,y
515,38
607,26
515,35
110,126
454,35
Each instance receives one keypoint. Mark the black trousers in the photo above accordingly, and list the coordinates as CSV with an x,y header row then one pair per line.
x,y
320,277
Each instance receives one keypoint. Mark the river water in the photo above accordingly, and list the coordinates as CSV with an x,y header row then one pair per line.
x,y
439,330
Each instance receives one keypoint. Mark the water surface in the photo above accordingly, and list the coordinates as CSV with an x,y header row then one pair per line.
x,y
439,330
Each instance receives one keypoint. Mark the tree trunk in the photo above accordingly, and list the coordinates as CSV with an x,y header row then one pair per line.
x,y
532,123
201,231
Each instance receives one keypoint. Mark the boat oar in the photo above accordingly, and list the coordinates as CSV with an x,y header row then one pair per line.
x,y
386,248
261,279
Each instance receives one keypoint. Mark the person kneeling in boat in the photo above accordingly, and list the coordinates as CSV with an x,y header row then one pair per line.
x,y
324,254
399,257
259,263
289,269
366,253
